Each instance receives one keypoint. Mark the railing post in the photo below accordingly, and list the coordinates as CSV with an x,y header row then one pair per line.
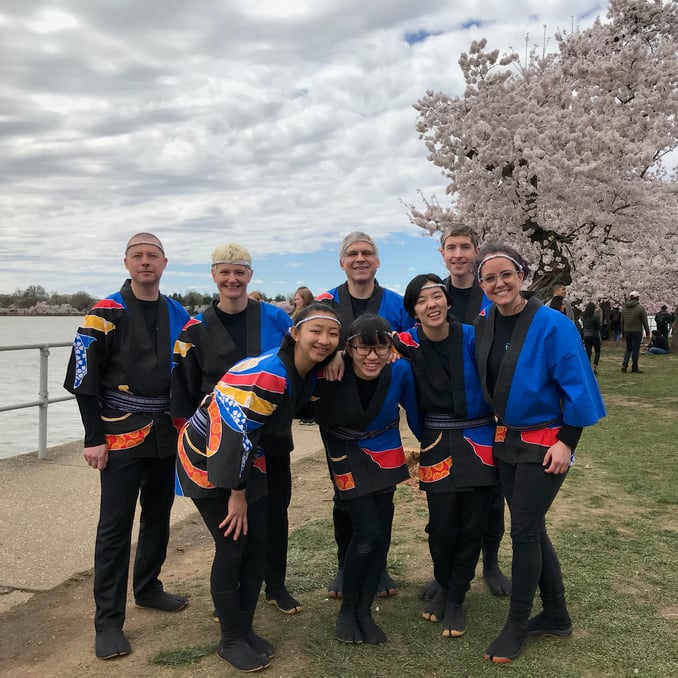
x,y
44,401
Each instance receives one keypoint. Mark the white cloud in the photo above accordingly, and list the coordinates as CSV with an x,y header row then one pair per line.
x,y
278,128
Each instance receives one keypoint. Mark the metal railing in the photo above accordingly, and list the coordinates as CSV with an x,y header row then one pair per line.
x,y
43,395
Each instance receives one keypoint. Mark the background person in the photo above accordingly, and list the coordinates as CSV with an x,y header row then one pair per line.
x,y
558,301
659,344
119,371
534,373
301,299
222,467
592,334
633,322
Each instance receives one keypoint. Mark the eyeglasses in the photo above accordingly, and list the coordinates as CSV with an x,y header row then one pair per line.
x,y
381,350
351,254
506,276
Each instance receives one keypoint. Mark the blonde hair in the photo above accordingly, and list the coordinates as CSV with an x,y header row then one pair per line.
x,y
232,253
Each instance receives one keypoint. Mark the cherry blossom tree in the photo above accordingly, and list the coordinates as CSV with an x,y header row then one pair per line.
x,y
568,156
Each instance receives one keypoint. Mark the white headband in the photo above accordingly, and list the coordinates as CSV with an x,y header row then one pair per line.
x,y
318,317
246,264
519,266
432,285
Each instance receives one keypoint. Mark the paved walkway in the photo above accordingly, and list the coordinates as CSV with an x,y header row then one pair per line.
x,y
49,511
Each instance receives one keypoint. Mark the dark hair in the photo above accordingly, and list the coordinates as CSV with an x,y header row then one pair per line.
x,y
371,329
589,310
311,309
500,248
414,287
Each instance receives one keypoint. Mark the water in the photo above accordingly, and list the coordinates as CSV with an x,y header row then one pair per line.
x,y
20,383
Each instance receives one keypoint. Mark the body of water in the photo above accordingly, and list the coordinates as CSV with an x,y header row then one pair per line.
x,y
21,383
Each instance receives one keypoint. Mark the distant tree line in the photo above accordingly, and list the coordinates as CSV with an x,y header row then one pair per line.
x,y
82,301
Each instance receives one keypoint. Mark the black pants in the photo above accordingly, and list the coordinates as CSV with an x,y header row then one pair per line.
x,y
123,480
633,341
365,558
238,563
495,524
456,525
530,491
593,344
279,478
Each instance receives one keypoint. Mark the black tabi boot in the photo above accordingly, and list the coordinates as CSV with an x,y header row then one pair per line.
x,y
498,583
428,590
346,626
372,634
434,610
554,620
233,648
248,604
508,645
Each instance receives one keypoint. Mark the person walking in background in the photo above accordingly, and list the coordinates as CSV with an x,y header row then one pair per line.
x,y
633,322
534,373
222,467
301,299
232,328
359,424
615,324
592,334
360,294
559,303
119,371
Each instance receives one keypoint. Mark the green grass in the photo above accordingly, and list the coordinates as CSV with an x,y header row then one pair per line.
x,y
615,528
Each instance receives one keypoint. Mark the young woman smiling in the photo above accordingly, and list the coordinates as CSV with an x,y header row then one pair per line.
x,y
222,467
535,374
358,418
456,468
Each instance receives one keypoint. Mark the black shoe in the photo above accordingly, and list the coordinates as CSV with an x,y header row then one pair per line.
x,y
435,610
508,645
428,591
624,368
336,585
346,627
454,621
283,601
111,643
259,645
371,632
241,656
637,371
541,625
496,580
387,587
167,602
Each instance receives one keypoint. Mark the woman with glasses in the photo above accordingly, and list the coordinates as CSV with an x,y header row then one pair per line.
x,y
535,374
456,467
359,424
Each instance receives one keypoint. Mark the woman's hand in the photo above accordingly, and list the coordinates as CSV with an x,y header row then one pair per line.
x,y
236,519
557,459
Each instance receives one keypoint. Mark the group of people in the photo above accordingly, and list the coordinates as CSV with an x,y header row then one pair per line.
x,y
631,323
495,385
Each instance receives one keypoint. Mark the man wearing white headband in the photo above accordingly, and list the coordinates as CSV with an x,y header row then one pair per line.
x,y
360,294
230,329
119,371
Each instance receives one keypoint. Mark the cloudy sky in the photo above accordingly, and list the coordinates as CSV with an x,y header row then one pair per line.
x,y
278,124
